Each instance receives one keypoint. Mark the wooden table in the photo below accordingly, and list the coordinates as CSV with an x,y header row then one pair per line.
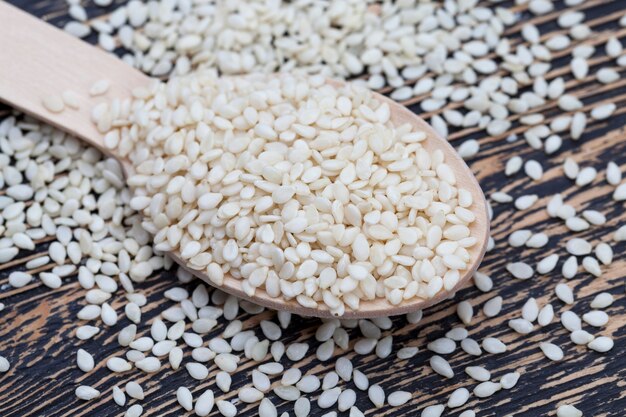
x,y
37,325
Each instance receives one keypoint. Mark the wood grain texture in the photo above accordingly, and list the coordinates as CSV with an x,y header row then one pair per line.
x,y
37,325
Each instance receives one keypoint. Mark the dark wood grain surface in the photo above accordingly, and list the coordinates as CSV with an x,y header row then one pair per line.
x,y
38,324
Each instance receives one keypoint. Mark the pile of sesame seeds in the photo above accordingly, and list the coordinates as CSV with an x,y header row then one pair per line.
x,y
293,186
511,80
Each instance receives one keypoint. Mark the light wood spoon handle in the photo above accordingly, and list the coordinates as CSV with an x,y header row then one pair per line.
x,y
38,60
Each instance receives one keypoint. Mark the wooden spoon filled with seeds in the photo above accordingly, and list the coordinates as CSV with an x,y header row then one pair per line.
x,y
289,190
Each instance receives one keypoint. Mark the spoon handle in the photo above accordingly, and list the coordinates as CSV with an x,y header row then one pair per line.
x,y
38,60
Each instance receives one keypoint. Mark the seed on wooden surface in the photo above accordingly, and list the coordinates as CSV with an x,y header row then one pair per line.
x,y
457,333
552,351
71,99
520,270
564,293
493,306
513,165
486,389
478,373
620,193
223,381
302,407
533,169
441,346
330,380
578,247
308,384
603,111
149,364
329,397
501,197
398,398
567,410
250,395
570,267
547,264
509,380
118,396
594,217
596,318
116,364
568,102
184,397
134,390
465,311
19,279
576,224
99,88
458,397
571,321
346,400
604,252
586,176
84,360
4,364
591,265
471,347
134,411
86,393
482,281
441,366
521,326
468,149
537,240
267,408
530,310
53,103
613,173
86,332
433,410
360,380
525,202
613,47
493,345
601,344
546,315
581,337
602,300
519,237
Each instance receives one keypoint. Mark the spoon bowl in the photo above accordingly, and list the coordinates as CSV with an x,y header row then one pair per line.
x,y
39,60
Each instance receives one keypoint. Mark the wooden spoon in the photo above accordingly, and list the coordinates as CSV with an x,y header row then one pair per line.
x,y
39,60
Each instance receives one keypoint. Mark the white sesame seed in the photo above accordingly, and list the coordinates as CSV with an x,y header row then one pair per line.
x,y
520,270
87,393
441,366
84,360
602,300
601,344
509,380
486,389
570,321
564,293
567,410
493,345
552,351
546,315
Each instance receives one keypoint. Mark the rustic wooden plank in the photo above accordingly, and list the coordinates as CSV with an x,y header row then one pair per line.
x,y
37,325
